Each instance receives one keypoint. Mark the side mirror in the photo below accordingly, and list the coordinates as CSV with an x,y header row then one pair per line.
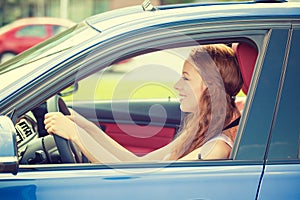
x,y
8,148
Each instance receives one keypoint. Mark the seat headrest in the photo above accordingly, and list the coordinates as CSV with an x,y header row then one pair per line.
x,y
246,56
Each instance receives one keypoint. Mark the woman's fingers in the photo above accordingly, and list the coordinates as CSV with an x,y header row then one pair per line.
x,y
50,120
59,124
54,122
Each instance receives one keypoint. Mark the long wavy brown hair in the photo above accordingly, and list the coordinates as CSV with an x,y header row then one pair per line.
x,y
220,72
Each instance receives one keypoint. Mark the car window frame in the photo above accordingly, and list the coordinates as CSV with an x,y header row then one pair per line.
x,y
263,94
289,68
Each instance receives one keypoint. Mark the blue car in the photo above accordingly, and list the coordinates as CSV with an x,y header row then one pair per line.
x,y
117,70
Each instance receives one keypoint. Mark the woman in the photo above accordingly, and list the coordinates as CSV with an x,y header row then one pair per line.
x,y
210,81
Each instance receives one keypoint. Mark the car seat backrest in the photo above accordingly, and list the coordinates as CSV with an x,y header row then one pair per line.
x,y
246,56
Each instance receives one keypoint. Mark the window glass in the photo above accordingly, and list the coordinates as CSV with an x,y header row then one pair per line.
x,y
150,75
286,130
32,31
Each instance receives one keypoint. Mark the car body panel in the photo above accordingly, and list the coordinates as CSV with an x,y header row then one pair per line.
x,y
280,181
265,96
282,168
207,14
149,183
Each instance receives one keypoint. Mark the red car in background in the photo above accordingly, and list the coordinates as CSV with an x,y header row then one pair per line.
x,y
27,32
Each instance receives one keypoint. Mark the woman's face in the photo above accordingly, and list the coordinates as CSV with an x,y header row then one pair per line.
x,y
190,87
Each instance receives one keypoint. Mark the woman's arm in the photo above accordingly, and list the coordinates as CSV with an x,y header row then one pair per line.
x,y
104,149
93,142
101,137
97,153
210,151
82,121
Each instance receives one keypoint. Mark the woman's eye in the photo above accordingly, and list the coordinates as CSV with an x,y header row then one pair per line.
x,y
184,78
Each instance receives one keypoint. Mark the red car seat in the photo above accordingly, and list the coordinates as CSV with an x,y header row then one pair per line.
x,y
246,56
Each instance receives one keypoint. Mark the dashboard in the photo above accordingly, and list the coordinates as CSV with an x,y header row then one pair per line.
x,y
26,129
33,149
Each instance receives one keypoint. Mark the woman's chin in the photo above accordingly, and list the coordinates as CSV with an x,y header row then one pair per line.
x,y
184,108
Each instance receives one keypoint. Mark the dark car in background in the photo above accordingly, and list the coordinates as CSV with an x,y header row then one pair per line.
x,y
22,34
116,69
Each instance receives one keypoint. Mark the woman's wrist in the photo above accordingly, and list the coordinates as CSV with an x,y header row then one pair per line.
x,y
75,136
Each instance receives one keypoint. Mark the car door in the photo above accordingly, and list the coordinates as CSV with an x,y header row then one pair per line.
x,y
282,170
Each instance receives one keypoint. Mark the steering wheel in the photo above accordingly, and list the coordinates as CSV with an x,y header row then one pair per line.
x,y
68,151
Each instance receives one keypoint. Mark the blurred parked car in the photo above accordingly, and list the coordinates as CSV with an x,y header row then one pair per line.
x,y
27,32
265,159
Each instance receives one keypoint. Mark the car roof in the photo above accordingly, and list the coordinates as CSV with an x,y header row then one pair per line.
x,y
207,12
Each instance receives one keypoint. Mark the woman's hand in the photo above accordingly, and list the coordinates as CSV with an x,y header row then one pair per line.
x,y
59,124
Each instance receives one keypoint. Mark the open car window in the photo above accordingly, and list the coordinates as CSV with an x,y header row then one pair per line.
x,y
133,101
147,76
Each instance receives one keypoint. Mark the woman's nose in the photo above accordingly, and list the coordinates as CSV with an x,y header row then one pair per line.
x,y
177,85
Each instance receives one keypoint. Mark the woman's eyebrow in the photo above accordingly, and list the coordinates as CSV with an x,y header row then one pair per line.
x,y
185,73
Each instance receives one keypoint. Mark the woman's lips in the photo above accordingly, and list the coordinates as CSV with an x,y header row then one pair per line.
x,y
182,97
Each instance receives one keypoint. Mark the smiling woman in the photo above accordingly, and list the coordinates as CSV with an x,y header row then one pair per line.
x,y
211,78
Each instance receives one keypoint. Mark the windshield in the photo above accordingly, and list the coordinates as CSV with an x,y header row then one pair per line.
x,y
29,62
